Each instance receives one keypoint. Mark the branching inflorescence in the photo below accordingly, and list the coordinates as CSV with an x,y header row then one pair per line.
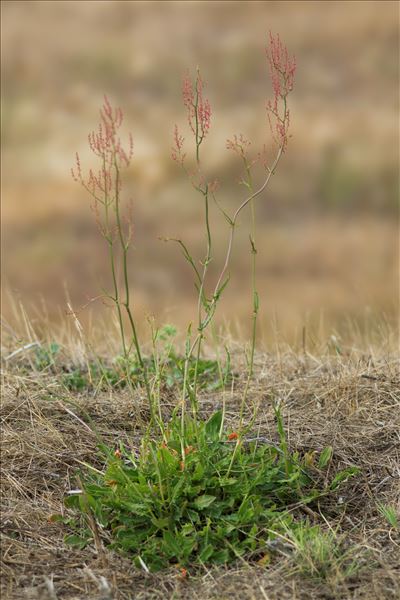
x,y
105,188
105,185
282,69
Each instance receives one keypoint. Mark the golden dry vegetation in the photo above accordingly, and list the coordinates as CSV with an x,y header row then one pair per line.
x,y
348,401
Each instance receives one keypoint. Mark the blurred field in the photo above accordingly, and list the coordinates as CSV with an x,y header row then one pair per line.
x,y
327,228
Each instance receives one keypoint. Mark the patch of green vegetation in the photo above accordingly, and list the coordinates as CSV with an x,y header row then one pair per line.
x,y
120,372
320,554
198,495
390,514
45,356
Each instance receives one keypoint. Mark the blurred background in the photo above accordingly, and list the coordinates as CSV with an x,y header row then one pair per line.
x,y
327,226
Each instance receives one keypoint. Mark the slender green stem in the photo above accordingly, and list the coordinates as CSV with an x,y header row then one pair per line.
x,y
212,305
188,353
253,277
255,297
234,221
237,445
110,243
124,247
202,300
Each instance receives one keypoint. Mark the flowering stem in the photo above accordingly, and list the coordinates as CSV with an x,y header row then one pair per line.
x,y
211,307
199,111
235,217
255,294
202,299
124,246
196,116
110,242
253,272
105,189
282,71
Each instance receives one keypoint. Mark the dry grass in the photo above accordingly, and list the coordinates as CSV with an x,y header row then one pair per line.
x,y
349,402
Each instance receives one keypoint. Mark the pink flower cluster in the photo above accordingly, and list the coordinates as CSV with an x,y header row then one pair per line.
x,y
238,144
176,152
105,144
198,112
282,69
199,109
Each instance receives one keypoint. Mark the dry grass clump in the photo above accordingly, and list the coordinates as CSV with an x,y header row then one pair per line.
x,y
350,403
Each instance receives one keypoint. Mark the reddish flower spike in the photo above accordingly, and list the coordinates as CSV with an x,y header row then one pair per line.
x,y
282,69
176,151
198,107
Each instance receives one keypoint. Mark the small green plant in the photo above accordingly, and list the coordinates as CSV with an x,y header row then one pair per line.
x,y
207,498
77,378
319,554
45,356
166,365
119,374
390,514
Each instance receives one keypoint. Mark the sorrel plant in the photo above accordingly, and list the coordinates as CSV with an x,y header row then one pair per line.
x,y
194,493
282,69
105,188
